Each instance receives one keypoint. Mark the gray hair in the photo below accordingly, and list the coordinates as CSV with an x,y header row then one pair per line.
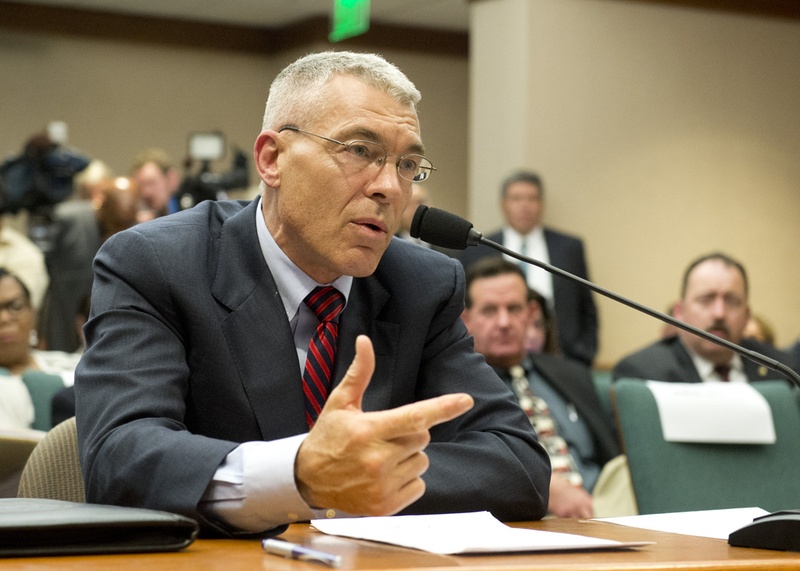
x,y
293,96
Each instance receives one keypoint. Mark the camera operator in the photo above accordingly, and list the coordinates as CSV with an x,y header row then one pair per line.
x,y
158,180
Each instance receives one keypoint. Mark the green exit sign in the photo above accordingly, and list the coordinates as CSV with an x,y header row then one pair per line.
x,y
350,18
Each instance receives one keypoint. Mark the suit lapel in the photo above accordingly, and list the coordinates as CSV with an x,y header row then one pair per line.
x,y
257,331
685,364
367,299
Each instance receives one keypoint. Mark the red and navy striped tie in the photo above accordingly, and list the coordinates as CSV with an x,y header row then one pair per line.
x,y
326,302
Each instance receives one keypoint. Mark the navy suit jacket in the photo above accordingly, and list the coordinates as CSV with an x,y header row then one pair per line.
x,y
189,353
573,380
576,314
668,360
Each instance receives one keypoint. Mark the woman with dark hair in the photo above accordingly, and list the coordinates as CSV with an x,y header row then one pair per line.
x,y
17,334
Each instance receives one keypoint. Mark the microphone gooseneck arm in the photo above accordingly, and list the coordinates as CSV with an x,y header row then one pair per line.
x,y
442,228
752,355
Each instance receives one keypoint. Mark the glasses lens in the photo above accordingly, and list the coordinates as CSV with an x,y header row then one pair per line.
x,y
415,168
364,153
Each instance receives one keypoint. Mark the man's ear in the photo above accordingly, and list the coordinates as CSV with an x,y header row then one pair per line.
x,y
265,157
677,310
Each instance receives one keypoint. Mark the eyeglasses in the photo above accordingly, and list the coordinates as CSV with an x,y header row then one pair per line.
x,y
15,307
361,154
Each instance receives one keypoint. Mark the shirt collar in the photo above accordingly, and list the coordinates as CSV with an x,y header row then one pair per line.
x,y
293,283
705,368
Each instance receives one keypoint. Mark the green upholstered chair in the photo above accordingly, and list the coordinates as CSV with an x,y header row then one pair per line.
x,y
42,387
677,476
53,470
602,384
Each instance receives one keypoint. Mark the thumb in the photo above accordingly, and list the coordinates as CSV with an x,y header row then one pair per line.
x,y
351,390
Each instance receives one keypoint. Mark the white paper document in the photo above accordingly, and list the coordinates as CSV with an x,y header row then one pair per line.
x,y
461,533
732,413
716,524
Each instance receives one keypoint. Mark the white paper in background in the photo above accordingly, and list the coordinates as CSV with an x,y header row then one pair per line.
x,y
461,533
716,524
725,413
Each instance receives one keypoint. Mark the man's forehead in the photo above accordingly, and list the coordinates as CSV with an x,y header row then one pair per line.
x,y
720,279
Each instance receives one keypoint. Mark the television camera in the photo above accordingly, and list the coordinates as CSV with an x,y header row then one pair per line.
x,y
204,184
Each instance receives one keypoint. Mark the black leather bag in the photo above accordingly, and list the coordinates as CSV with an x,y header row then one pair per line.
x,y
37,527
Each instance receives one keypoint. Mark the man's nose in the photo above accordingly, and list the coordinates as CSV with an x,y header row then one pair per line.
x,y
387,182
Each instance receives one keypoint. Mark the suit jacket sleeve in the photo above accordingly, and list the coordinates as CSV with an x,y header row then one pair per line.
x,y
488,458
189,353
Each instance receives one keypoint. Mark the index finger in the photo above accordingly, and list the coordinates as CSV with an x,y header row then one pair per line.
x,y
421,415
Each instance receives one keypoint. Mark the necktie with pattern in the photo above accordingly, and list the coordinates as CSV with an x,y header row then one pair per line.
x,y
539,414
327,303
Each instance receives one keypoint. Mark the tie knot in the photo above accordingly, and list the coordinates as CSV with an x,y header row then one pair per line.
x,y
723,371
326,302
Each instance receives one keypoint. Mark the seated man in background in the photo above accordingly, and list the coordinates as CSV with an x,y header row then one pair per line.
x,y
556,393
522,202
286,358
714,298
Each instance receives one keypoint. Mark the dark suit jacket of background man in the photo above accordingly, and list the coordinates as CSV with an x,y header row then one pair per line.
x,y
576,314
573,381
190,353
668,360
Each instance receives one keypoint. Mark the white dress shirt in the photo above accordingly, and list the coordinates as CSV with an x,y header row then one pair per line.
x,y
534,246
254,488
705,369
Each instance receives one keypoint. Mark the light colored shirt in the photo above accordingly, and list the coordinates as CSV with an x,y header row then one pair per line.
x,y
705,369
254,488
532,245
16,406
25,260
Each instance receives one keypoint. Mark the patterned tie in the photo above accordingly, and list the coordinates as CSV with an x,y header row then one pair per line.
x,y
326,302
539,414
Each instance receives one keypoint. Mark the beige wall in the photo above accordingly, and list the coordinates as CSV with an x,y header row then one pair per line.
x,y
120,97
662,133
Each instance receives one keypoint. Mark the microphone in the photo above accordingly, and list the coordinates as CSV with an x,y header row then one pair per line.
x,y
777,530
442,228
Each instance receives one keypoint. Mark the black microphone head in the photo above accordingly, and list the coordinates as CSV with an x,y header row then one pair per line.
x,y
442,228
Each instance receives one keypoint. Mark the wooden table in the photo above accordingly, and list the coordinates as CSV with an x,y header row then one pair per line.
x,y
671,551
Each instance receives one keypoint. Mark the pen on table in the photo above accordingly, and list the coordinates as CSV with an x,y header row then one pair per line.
x,y
300,553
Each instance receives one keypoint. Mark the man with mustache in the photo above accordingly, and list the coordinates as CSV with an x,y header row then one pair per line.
x,y
713,298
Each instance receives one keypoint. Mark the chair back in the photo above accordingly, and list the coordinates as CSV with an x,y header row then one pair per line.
x,y
679,476
42,387
53,470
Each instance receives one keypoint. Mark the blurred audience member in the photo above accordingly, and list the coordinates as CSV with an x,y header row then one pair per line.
x,y
81,226
89,183
759,329
714,298
556,393
667,329
522,204
17,319
24,259
158,180
542,335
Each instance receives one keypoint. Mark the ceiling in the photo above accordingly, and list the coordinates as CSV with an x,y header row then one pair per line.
x,y
442,14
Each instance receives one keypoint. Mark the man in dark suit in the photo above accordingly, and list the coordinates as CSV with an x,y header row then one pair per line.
x,y
498,314
522,200
203,351
714,297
